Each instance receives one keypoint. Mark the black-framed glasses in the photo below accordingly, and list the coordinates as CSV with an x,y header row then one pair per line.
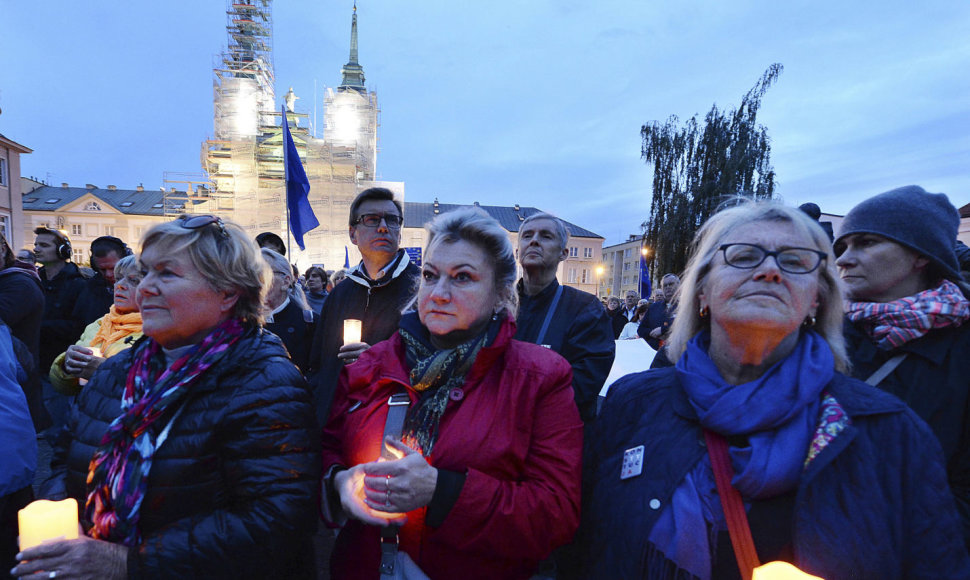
x,y
373,220
791,260
195,222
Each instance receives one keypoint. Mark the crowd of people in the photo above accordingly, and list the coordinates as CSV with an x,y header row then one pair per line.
x,y
809,402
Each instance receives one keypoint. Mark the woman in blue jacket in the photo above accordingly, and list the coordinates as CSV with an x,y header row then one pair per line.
x,y
834,476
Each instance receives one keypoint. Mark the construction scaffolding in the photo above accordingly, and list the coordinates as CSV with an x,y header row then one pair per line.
x,y
244,173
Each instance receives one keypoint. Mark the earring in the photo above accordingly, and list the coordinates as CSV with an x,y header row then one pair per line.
x,y
809,321
704,311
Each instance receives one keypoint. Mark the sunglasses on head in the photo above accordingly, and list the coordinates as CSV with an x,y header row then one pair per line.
x,y
196,222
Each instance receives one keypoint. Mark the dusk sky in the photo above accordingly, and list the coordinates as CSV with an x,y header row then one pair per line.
x,y
538,103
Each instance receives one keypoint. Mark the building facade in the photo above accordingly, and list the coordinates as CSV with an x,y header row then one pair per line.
x,y
620,268
11,208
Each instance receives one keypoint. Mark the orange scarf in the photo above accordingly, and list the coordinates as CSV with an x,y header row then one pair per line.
x,y
115,327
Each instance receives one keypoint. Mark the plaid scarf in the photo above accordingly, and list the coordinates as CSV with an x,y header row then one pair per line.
x,y
893,324
118,473
434,374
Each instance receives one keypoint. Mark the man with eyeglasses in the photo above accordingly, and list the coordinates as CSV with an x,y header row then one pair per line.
x,y
374,292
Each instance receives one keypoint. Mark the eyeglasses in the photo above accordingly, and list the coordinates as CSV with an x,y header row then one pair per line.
x,y
196,222
791,260
373,220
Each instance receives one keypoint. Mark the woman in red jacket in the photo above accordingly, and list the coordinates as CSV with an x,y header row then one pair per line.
x,y
484,479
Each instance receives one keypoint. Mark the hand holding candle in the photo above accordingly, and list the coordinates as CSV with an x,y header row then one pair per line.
x,y
780,571
44,521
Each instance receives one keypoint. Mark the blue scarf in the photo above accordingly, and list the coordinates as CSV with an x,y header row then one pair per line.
x,y
778,412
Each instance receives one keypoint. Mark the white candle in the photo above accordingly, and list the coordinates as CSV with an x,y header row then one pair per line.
x,y
351,331
780,571
95,351
44,521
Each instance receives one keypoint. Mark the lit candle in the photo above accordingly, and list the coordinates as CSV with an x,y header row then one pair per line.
x,y
780,571
95,351
44,521
351,331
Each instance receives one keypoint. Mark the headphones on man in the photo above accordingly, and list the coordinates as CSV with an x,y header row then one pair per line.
x,y
122,248
63,242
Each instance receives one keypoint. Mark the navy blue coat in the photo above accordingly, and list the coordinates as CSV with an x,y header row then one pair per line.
x,y
873,504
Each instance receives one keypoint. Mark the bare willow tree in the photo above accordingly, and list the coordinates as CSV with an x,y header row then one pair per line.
x,y
696,167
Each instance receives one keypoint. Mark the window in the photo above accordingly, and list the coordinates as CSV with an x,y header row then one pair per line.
x,y
139,230
92,206
572,276
109,230
5,227
3,171
77,254
587,252
157,206
127,203
626,252
30,200
626,280
573,252
585,279
53,200
626,266
76,230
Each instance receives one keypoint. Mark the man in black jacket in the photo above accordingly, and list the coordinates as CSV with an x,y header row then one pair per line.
x,y
374,292
62,283
98,294
569,321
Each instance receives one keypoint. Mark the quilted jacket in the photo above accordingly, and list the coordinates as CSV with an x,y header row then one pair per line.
x,y
232,491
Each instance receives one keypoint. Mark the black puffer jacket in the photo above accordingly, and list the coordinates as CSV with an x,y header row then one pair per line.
x,y
232,491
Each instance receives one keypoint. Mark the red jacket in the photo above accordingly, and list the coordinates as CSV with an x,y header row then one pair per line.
x,y
516,434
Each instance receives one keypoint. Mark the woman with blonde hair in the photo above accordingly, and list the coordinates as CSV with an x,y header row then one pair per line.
x,y
194,453
756,446
112,333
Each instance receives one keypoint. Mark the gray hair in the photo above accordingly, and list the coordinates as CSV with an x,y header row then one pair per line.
x,y
473,225
561,230
277,261
125,265
226,257
705,246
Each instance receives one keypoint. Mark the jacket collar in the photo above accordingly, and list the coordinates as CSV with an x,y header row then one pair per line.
x,y
392,270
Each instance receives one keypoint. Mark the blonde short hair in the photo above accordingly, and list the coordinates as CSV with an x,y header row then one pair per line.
x,y
225,256
709,238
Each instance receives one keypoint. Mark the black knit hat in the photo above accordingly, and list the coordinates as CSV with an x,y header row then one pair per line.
x,y
924,222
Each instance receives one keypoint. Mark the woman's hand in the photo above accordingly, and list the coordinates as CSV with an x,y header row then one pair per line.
x,y
83,558
350,352
401,485
81,361
350,487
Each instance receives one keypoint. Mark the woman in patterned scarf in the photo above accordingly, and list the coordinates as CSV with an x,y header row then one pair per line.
x,y
112,333
481,477
755,446
193,453
907,315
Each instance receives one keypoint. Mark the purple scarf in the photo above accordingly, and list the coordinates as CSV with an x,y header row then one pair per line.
x,y
118,473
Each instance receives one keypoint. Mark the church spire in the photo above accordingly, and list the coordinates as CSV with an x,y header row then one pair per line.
x,y
353,73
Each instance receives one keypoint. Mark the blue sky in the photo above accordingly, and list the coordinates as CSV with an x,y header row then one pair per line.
x,y
538,103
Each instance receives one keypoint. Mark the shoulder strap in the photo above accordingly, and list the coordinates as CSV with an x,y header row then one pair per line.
x,y
549,314
737,519
886,368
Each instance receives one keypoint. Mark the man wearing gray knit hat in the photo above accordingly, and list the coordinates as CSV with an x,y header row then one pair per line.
x,y
906,325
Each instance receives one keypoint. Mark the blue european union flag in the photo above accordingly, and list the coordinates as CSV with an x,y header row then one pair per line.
x,y
301,214
645,285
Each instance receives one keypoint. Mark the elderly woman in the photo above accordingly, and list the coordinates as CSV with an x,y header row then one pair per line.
x,y
486,481
288,316
906,315
112,333
193,453
630,328
757,421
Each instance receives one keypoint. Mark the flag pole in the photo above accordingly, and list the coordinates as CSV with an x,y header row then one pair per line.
x,y
286,184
